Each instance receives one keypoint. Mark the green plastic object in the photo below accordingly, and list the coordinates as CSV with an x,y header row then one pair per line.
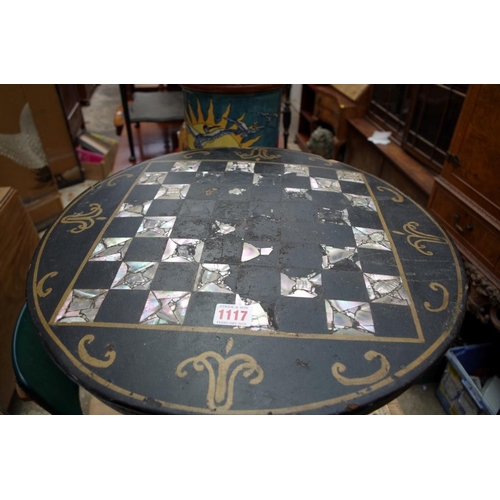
x,y
36,373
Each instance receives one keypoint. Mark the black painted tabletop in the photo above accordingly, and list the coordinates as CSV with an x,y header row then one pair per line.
x,y
245,281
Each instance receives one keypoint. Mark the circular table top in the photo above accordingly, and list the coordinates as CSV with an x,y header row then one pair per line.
x,y
245,281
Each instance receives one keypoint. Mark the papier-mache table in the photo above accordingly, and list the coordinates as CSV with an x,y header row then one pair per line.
x,y
245,281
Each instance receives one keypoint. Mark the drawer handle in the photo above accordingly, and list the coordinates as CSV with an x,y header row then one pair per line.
x,y
453,159
459,228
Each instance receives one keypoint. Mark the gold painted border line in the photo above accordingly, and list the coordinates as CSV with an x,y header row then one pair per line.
x,y
92,248
416,319
258,333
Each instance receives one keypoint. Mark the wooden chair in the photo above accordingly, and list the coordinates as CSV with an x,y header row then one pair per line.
x,y
161,105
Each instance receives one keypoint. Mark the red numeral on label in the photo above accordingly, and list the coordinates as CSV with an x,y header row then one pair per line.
x,y
234,316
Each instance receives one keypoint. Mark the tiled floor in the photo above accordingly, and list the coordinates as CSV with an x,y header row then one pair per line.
x,y
418,400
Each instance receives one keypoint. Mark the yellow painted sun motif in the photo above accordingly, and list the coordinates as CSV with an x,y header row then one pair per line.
x,y
205,132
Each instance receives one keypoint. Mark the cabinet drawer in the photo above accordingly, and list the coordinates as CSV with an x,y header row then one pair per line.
x,y
327,109
467,225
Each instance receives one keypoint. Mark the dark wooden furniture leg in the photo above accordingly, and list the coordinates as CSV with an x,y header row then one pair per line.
x,y
123,93
287,115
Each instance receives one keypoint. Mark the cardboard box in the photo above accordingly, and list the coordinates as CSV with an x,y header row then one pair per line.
x,y
36,152
98,171
53,129
44,211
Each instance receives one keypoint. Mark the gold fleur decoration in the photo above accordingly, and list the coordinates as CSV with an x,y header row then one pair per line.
x,y
257,154
84,221
417,238
221,382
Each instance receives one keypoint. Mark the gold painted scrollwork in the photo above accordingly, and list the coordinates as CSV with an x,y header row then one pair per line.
x,y
84,221
339,368
190,154
446,298
90,360
221,384
39,287
111,181
258,154
398,198
417,238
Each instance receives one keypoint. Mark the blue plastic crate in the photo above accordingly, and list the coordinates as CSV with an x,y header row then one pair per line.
x,y
457,392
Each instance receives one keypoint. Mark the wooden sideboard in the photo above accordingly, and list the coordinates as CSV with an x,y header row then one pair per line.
x,y
466,197
389,162
324,105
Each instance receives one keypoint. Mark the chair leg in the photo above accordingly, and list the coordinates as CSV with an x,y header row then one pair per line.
x,y
287,115
126,114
